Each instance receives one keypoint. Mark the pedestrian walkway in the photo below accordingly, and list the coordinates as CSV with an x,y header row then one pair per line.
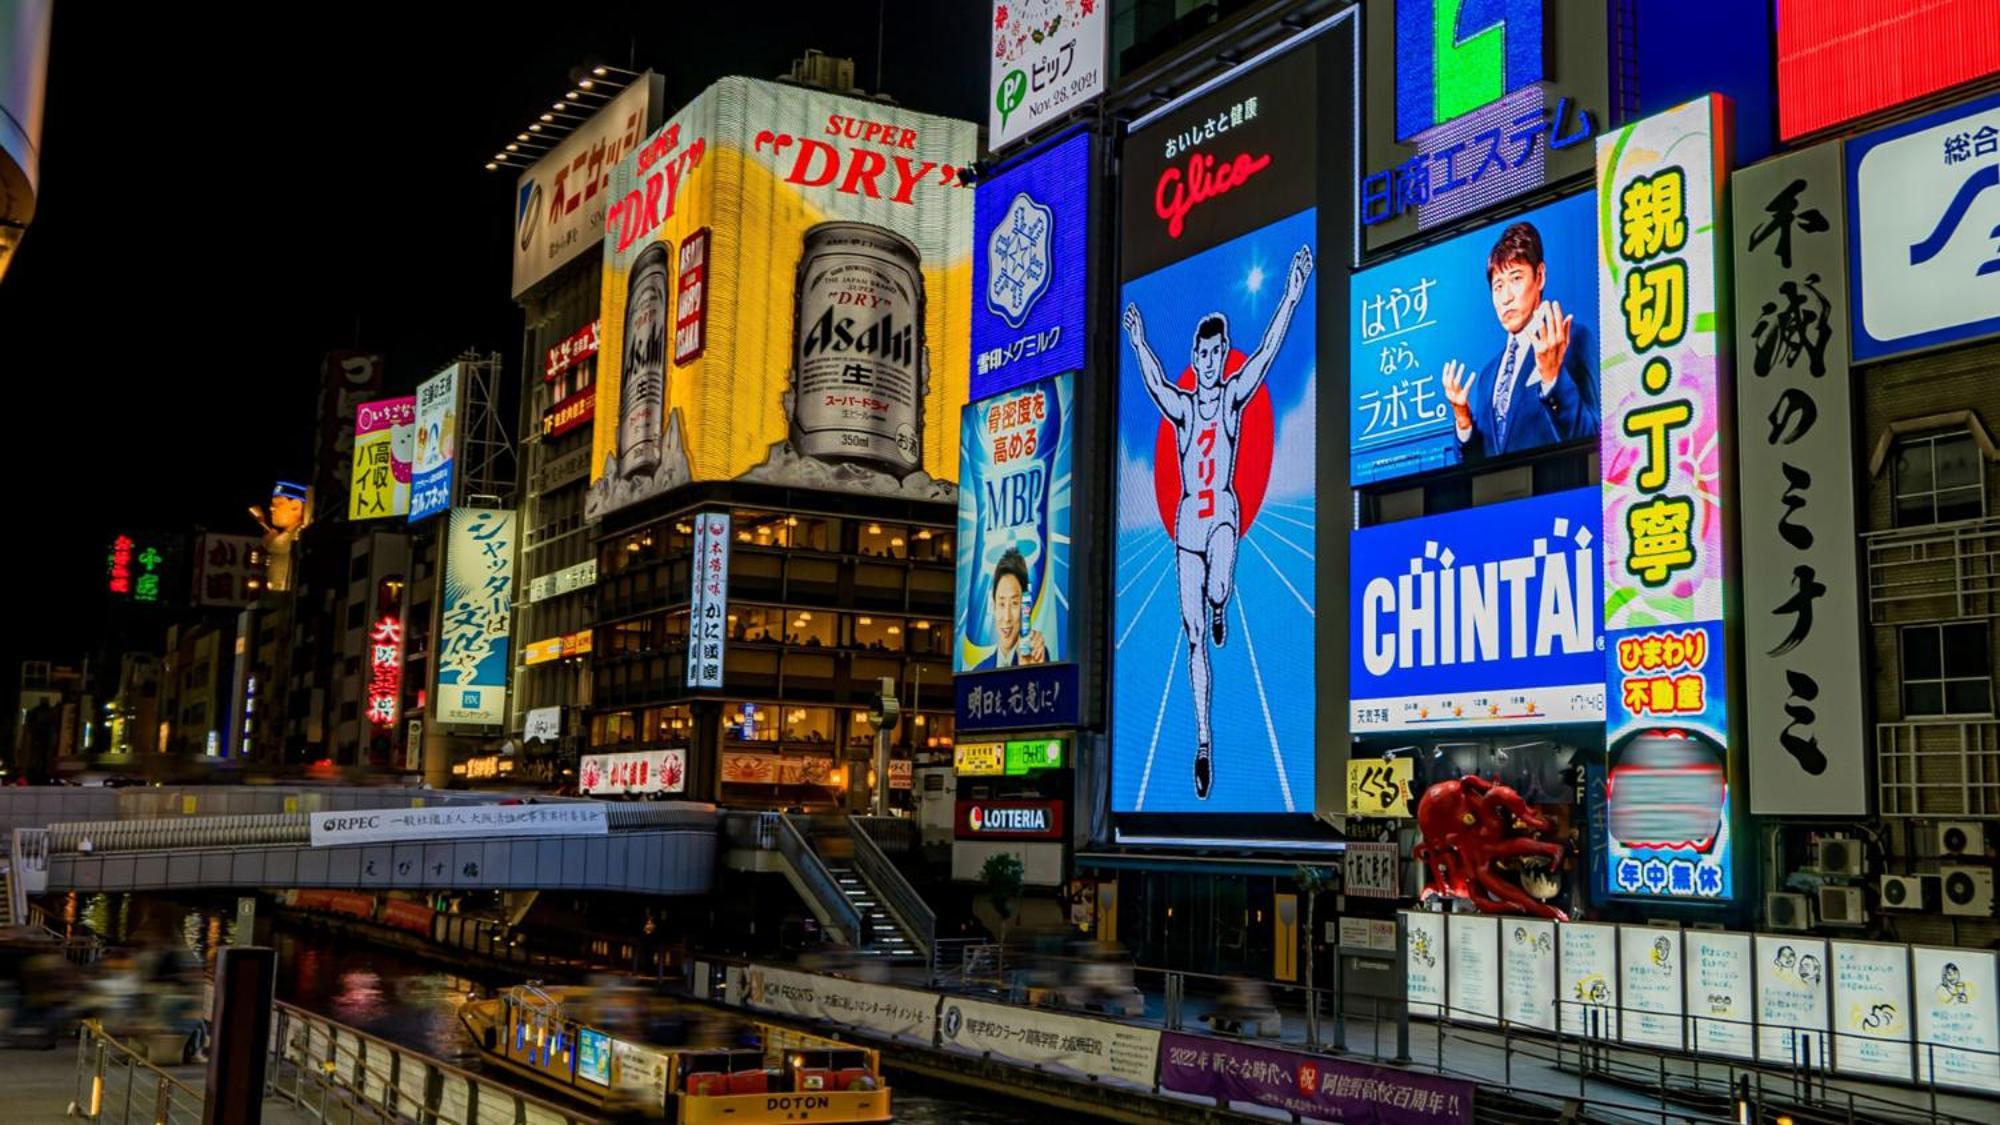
x,y
42,1088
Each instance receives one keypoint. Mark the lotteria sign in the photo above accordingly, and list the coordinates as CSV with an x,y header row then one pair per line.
x,y
1490,616
1010,820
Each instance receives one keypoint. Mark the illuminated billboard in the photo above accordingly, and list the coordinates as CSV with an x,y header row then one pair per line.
x,y
1925,196
385,436
476,617
1486,617
229,570
1664,451
1013,590
1048,59
559,202
431,466
1031,267
826,341
1472,103
1843,59
1213,588
1478,347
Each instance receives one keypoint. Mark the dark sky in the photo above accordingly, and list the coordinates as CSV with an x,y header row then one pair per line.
x,y
224,199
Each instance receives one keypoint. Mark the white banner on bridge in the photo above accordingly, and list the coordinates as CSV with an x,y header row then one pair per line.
x,y
375,826
1096,1049
874,1009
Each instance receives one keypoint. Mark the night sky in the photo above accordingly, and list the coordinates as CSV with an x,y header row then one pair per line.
x,y
223,201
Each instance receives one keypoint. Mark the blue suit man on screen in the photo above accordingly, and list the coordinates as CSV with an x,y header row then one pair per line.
x,y
1537,389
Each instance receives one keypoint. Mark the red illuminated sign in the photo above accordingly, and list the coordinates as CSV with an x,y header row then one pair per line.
x,y
1017,820
385,676
570,413
1843,59
581,345
691,302
121,565
1207,178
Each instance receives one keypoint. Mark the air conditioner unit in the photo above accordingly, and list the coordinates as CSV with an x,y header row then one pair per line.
x,y
1909,892
1961,839
1840,855
1968,891
1784,911
1842,906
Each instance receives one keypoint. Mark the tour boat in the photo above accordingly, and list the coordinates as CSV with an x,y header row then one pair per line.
x,y
786,1076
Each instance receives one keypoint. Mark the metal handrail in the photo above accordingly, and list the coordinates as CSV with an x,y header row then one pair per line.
x,y
101,1059
896,894
819,883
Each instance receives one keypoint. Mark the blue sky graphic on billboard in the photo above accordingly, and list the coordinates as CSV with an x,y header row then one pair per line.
x,y
1485,617
1030,262
1433,333
1013,529
1213,580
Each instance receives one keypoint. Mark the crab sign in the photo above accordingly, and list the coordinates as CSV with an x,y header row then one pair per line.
x,y
1474,830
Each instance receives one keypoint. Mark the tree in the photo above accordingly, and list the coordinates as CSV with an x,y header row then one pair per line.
x,y
1311,881
1002,877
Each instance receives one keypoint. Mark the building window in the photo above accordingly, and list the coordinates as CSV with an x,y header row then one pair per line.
x,y
354,615
1939,478
1947,670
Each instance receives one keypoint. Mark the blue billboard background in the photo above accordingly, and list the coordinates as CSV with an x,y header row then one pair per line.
x,y
1030,263
1485,617
1412,315
1014,496
1263,701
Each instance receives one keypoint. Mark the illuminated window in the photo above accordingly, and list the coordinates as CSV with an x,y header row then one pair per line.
x,y
880,634
886,540
1939,478
1947,670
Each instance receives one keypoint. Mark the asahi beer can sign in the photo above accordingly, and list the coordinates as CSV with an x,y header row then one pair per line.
x,y
787,299
859,371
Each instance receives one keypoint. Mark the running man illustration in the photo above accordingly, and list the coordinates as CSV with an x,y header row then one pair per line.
x,y
1208,421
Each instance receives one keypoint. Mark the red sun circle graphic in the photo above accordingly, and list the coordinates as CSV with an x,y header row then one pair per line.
x,y
1253,453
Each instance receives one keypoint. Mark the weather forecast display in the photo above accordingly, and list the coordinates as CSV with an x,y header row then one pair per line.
x,y
1213,665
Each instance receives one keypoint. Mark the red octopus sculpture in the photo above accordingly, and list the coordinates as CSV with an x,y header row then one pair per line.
x,y
1470,826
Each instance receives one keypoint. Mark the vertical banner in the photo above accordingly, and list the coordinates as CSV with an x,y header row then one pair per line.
x,y
1285,937
1423,937
476,610
431,488
384,433
1719,1004
1666,499
1031,267
1589,984
1528,973
1958,1021
1871,1006
1048,59
1801,592
1474,984
1791,1000
708,601
1650,979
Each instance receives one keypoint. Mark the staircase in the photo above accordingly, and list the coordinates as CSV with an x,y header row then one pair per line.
x,y
882,938
7,918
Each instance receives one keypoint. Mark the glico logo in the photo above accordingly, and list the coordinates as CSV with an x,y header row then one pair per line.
x,y
1455,56
1440,613
1175,196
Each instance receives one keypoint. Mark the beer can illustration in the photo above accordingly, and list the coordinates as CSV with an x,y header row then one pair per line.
x,y
642,394
858,348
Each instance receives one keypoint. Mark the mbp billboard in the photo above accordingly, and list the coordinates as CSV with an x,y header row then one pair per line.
x,y
559,201
1478,347
1474,102
1668,496
1487,617
431,486
475,617
1048,59
1926,196
1013,590
787,285
1215,583
385,436
1031,267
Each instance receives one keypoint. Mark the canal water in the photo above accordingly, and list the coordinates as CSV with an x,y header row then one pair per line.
x,y
412,1002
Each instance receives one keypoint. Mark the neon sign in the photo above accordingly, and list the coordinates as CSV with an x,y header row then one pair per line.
x,y
385,676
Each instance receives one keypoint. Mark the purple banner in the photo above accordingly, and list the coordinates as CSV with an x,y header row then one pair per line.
x,y
1313,1086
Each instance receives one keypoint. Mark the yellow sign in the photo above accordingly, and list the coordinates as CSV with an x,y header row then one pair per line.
x,y
980,759
787,286
576,644
1379,786
541,652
